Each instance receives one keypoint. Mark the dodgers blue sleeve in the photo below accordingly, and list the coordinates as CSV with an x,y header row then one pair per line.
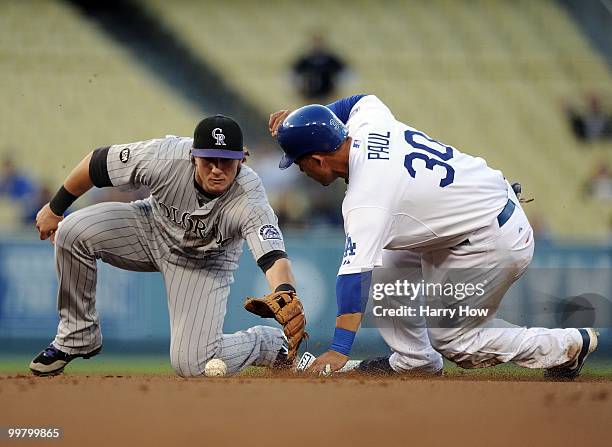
x,y
342,107
352,292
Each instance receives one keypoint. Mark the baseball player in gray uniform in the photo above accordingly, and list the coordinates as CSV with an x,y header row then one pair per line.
x,y
204,203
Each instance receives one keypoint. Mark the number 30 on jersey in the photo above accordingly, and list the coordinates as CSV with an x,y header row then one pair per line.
x,y
432,148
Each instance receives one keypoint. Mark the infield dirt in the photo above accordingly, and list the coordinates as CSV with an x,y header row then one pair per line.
x,y
166,410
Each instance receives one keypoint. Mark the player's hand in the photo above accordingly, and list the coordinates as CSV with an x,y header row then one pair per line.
x,y
334,359
47,222
276,119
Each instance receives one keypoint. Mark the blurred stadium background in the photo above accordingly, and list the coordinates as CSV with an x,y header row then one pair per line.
x,y
512,81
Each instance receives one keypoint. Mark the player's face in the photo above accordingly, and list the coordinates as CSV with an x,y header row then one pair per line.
x,y
317,169
215,175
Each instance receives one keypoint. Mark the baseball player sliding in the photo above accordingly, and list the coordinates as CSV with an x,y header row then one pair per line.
x,y
412,201
204,203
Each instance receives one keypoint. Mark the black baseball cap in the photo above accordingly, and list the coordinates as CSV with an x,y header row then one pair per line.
x,y
218,136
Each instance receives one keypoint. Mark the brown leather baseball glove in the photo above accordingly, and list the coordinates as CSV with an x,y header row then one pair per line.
x,y
286,308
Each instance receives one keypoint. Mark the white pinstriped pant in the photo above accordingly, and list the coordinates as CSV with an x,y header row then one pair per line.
x,y
124,235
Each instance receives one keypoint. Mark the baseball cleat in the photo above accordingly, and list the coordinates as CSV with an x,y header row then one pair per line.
x,y
380,366
52,361
572,370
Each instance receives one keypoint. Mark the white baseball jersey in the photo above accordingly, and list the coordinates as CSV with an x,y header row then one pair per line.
x,y
408,191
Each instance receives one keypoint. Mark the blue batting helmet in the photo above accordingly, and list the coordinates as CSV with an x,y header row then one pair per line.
x,y
312,128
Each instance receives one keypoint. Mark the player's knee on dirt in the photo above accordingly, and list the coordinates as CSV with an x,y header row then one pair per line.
x,y
270,341
186,364
463,349
461,358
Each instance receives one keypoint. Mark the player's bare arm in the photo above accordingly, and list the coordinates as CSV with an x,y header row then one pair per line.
x,y
280,273
51,214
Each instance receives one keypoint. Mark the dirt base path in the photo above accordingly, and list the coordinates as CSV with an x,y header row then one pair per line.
x,y
159,410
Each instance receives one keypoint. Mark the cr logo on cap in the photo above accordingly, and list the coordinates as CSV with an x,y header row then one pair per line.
x,y
218,135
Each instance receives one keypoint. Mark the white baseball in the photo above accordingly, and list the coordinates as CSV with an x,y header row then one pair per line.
x,y
215,368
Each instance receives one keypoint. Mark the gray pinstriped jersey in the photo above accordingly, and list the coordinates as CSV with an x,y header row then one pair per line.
x,y
189,225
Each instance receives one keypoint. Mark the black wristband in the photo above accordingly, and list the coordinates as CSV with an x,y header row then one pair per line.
x,y
61,201
285,288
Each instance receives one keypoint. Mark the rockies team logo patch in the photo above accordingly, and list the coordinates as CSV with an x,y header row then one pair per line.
x,y
124,155
269,232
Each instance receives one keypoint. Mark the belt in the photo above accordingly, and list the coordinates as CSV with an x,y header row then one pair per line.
x,y
506,213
